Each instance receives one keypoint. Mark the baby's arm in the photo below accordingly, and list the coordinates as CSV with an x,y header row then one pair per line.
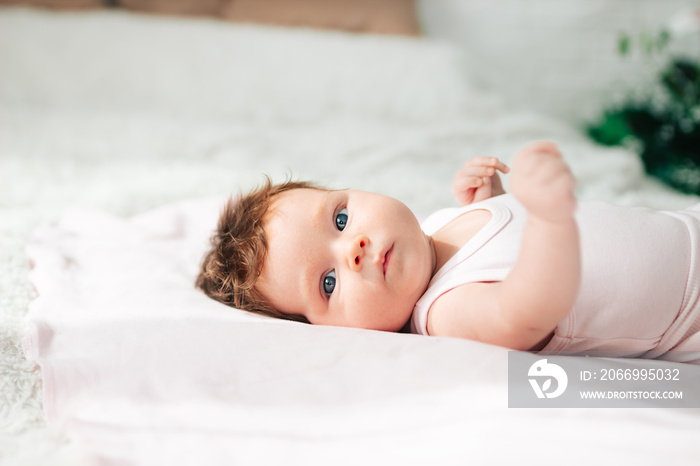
x,y
542,286
541,289
478,180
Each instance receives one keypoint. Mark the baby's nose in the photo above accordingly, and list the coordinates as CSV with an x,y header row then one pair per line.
x,y
356,254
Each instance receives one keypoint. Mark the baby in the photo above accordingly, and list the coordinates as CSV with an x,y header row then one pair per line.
x,y
531,270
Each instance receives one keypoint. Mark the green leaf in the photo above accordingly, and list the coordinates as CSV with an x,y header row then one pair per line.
x,y
663,40
612,129
623,45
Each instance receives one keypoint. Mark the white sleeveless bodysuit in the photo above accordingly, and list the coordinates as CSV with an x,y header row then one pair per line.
x,y
640,289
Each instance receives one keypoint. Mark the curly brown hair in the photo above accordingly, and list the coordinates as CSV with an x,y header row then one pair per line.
x,y
231,268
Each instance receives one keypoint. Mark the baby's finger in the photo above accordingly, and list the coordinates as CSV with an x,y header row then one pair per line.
x,y
482,160
484,192
479,171
466,182
502,166
487,162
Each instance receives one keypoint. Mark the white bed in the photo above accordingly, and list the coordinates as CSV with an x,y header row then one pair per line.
x,y
119,135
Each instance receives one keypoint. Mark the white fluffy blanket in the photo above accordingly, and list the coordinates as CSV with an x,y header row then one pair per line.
x,y
120,114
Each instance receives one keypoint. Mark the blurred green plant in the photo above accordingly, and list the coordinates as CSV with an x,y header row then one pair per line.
x,y
662,124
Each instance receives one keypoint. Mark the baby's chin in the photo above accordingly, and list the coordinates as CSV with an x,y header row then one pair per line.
x,y
402,312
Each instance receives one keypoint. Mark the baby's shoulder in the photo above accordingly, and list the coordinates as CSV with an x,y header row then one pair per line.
x,y
471,311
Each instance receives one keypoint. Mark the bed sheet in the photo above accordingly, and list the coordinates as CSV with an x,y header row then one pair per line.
x,y
121,115
132,354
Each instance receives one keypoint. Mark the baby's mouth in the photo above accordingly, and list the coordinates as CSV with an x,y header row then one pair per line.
x,y
387,258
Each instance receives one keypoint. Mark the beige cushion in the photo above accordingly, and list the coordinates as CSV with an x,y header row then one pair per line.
x,y
56,4
174,7
375,16
370,16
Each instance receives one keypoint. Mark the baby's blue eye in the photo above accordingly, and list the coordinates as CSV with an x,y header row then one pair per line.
x,y
329,282
341,219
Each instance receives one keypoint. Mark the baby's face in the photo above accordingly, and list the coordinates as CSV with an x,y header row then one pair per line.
x,y
345,258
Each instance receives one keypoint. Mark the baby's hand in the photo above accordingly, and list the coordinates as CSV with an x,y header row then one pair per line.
x,y
478,180
543,183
